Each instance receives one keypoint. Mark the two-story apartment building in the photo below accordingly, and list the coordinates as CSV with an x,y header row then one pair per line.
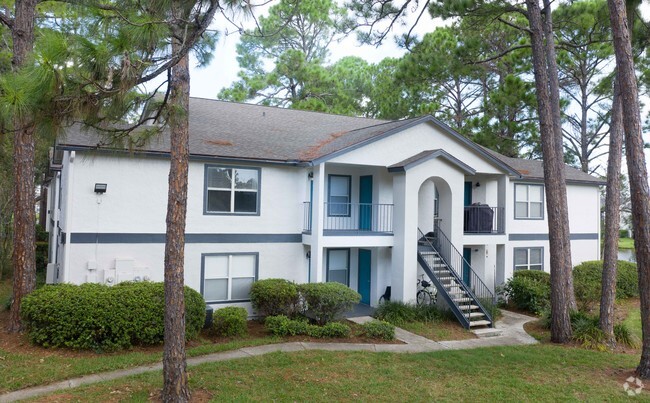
x,y
311,197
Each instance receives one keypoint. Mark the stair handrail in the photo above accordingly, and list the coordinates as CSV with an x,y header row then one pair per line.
x,y
483,291
453,305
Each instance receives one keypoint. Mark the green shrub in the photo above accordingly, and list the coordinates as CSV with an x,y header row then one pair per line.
x,y
587,282
272,297
529,290
326,301
282,326
398,313
99,317
230,321
624,336
622,233
330,330
379,329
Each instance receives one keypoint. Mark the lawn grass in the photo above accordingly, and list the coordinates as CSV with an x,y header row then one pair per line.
x,y
440,330
525,373
626,243
42,366
633,322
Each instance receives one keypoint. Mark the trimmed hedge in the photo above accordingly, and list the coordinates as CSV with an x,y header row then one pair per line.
x,y
275,296
327,301
283,326
230,321
529,290
587,282
378,329
99,317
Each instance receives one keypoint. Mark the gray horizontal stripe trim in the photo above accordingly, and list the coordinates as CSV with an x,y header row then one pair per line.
x,y
544,237
89,237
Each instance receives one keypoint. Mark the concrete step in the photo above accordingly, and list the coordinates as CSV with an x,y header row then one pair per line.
x,y
487,332
479,323
474,315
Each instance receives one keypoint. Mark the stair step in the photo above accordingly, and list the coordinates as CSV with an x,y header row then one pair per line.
x,y
461,299
480,323
474,315
468,307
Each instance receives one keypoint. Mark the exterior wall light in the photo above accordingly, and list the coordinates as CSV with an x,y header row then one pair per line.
x,y
100,188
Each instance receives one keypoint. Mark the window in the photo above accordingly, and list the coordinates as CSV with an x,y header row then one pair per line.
x,y
529,259
339,196
338,266
231,190
228,277
529,201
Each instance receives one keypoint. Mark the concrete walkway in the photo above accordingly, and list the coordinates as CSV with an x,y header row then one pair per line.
x,y
511,326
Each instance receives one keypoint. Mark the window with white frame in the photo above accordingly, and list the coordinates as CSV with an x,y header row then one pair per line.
x,y
529,201
338,266
228,277
339,190
232,190
529,259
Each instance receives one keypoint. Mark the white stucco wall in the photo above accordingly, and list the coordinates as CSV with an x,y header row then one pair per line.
x,y
400,146
135,203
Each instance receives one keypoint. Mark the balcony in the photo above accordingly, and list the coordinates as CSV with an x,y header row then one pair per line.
x,y
352,219
483,219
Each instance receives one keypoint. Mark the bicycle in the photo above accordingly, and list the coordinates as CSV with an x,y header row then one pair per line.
x,y
386,297
425,295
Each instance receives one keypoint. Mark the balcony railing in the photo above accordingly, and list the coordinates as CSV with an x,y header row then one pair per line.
x,y
483,219
352,218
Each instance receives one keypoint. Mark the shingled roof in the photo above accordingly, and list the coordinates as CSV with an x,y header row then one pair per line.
x,y
255,132
534,169
229,130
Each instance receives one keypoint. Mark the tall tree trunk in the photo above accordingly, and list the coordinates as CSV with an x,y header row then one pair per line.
x,y
636,167
612,218
23,257
558,217
554,175
175,387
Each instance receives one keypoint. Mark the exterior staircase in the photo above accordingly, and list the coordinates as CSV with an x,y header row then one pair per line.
x,y
442,262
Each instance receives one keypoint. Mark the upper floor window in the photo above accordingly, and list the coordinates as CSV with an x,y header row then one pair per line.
x,y
339,190
232,190
529,201
529,259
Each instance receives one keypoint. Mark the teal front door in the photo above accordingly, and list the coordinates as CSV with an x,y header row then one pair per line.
x,y
468,194
467,255
365,203
364,275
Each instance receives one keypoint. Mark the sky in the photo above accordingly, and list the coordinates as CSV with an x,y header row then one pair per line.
x,y
222,71
206,82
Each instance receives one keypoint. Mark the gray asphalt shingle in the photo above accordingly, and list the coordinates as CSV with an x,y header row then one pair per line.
x,y
245,131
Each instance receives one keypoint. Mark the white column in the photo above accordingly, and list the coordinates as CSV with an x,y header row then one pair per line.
x,y
404,259
317,210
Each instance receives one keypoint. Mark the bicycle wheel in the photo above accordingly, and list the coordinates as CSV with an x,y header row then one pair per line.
x,y
423,297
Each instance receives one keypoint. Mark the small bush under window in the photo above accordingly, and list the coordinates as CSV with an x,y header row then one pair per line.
x,y
528,290
275,296
230,321
327,301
